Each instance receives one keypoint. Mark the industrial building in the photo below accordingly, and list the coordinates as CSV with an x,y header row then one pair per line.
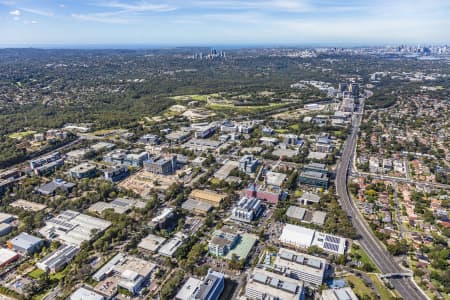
x,y
304,215
57,260
151,243
73,228
85,294
25,243
300,266
7,256
197,207
301,237
202,144
119,205
213,198
210,288
275,179
247,209
85,170
264,285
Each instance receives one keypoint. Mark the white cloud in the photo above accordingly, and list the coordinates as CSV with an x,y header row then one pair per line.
x,y
137,7
100,18
15,13
38,12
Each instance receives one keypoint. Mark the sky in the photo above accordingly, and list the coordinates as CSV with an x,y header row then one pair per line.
x,y
32,23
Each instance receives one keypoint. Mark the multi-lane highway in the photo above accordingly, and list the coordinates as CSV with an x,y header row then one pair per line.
x,y
369,242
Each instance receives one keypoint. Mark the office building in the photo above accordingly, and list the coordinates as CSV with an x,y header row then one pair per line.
x,y
161,165
125,157
53,186
248,164
264,285
300,266
247,209
210,288
313,178
149,139
116,173
222,241
85,170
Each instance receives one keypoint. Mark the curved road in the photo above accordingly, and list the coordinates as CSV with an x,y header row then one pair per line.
x,y
369,242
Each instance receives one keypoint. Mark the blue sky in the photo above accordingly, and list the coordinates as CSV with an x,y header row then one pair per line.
x,y
222,22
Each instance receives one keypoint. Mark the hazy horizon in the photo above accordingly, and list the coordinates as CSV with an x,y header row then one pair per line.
x,y
225,22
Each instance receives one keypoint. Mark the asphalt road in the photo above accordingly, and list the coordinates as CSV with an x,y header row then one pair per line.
x,y
369,242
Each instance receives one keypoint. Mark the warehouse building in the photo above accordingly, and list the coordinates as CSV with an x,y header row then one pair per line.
x,y
7,256
197,207
85,294
213,198
25,243
345,293
57,260
301,237
71,227
151,243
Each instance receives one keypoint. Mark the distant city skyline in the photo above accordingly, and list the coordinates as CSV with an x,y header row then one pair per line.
x,y
223,22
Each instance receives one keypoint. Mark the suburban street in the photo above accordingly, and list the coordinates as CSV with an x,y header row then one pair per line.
x,y
375,250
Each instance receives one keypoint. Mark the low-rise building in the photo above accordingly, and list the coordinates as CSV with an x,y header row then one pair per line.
x,y
53,186
164,218
304,215
151,243
85,170
309,198
345,293
85,294
59,259
25,243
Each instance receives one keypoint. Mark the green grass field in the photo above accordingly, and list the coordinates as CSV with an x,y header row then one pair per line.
x,y
21,135
364,258
385,293
360,288
36,273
